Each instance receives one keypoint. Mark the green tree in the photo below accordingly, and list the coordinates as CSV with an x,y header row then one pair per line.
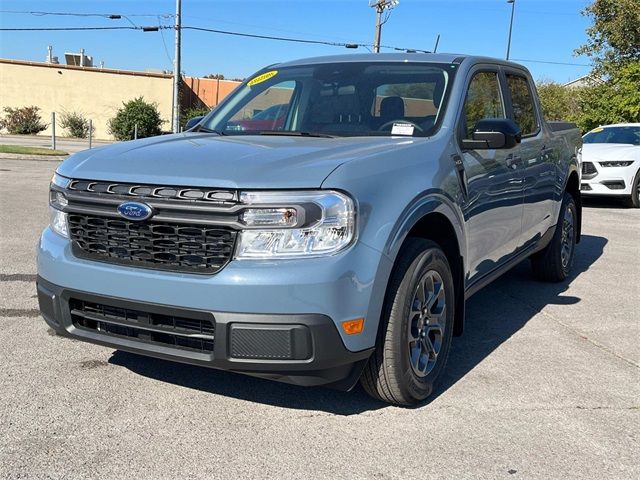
x,y
614,37
616,100
136,112
559,102
613,44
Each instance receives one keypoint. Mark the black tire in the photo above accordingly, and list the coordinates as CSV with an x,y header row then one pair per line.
x,y
392,375
634,200
554,262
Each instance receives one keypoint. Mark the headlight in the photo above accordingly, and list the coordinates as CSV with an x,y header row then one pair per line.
x,y
616,163
58,222
60,181
57,202
295,224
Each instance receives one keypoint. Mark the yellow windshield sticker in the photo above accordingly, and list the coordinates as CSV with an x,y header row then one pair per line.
x,y
597,130
262,78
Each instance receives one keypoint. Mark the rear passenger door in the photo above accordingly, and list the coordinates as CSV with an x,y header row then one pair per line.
x,y
538,157
492,179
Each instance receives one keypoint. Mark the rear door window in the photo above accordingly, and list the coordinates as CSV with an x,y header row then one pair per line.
x,y
524,111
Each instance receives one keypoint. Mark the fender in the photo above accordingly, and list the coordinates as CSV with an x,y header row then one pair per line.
x,y
423,204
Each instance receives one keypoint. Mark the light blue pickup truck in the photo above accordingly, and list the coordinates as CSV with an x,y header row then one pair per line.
x,y
333,241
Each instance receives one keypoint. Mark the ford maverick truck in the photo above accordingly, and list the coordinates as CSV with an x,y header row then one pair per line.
x,y
333,241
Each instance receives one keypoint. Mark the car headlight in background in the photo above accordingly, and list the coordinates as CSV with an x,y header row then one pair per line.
x,y
616,163
295,224
57,202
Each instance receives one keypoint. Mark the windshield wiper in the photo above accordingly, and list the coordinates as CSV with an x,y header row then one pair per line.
x,y
296,134
208,130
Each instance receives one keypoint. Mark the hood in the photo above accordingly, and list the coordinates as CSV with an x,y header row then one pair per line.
x,y
210,160
594,152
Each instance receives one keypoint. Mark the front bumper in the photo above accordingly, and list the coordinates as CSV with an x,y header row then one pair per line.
x,y
298,349
317,293
608,180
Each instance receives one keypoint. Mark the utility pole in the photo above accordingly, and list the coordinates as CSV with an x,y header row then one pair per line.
x,y
380,6
175,120
513,8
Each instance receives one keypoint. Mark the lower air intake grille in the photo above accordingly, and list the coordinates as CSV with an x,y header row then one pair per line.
x,y
193,334
159,245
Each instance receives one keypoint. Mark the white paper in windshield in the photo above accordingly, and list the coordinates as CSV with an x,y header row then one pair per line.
x,y
402,129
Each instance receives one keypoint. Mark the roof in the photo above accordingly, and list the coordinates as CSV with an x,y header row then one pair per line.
x,y
620,125
397,57
60,66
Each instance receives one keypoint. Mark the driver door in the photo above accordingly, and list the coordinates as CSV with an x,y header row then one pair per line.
x,y
493,203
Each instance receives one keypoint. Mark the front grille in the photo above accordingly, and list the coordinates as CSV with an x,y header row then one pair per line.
x,y
212,196
176,331
589,169
150,244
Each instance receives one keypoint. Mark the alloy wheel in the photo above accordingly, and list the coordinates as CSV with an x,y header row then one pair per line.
x,y
567,238
427,320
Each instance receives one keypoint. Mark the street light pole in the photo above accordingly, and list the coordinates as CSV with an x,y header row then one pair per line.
x,y
513,8
175,119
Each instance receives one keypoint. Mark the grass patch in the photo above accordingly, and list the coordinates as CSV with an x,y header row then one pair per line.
x,y
30,150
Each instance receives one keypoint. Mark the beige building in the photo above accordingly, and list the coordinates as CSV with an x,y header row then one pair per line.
x,y
97,93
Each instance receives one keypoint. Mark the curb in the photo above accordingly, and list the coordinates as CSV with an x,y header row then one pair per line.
x,y
33,158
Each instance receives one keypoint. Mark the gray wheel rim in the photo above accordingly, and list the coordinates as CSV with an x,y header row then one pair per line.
x,y
427,321
567,238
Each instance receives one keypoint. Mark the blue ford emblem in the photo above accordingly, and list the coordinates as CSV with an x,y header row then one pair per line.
x,y
135,211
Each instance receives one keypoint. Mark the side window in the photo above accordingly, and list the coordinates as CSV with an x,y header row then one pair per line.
x,y
484,100
524,111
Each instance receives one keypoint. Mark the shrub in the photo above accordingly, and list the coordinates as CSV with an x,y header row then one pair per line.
x,y
75,124
193,112
136,112
22,121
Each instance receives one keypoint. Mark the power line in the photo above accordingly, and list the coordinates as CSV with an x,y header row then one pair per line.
x,y
75,14
212,30
551,63
71,29
296,40
270,37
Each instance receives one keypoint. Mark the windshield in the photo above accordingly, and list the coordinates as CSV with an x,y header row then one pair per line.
x,y
627,135
343,99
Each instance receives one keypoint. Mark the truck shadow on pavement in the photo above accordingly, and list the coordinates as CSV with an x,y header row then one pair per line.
x,y
520,298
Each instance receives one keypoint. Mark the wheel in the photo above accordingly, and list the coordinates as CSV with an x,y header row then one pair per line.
x,y
416,327
554,262
634,200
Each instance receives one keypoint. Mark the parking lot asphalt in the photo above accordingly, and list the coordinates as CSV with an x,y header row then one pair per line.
x,y
545,383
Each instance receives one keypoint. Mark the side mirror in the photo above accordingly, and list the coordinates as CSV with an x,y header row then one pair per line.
x,y
192,122
494,133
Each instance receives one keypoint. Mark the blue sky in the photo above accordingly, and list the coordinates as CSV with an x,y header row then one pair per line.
x,y
544,30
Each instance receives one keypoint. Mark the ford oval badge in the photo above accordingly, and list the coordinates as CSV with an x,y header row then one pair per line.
x,y
135,211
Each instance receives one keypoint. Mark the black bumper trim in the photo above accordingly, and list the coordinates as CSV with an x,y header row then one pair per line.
x,y
319,356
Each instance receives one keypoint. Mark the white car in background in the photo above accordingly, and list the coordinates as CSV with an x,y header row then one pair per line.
x,y
611,162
